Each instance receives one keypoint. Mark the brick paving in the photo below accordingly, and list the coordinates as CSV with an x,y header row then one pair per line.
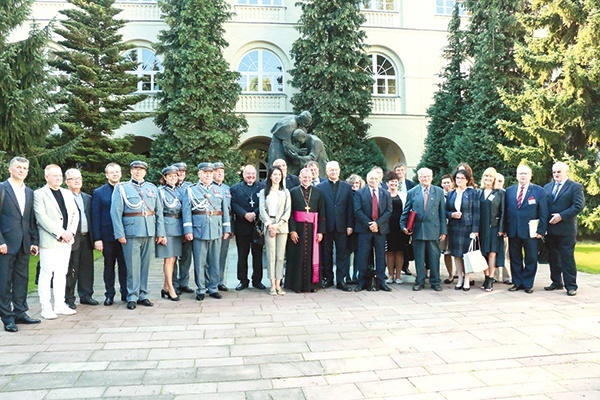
x,y
375,345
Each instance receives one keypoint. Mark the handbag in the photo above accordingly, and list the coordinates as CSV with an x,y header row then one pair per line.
x,y
258,235
473,259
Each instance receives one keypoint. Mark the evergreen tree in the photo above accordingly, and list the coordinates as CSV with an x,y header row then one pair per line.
x,y
96,91
445,114
24,86
560,105
490,38
330,71
199,91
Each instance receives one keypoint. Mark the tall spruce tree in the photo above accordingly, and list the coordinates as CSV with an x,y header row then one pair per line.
x,y
199,91
96,92
24,85
445,114
493,31
330,71
560,105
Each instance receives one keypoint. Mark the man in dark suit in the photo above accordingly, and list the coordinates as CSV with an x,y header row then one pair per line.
x,y
429,228
313,166
565,201
81,263
373,209
339,211
404,185
104,235
244,204
526,207
18,239
289,181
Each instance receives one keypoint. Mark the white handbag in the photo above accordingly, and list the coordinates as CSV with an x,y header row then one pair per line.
x,y
473,259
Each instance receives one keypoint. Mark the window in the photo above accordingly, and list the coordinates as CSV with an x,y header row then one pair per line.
x,y
262,72
148,66
261,2
378,5
384,74
445,7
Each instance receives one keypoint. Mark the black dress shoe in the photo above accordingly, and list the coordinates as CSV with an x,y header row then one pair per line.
x,y
359,288
385,287
71,305
437,288
145,303
89,302
108,301
343,286
418,287
27,320
223,288
123,297
241,286
528,290
327,283
200,297
131,305
186,289
553,287
313,290
571,292
11,327
259,286
216,295
514,288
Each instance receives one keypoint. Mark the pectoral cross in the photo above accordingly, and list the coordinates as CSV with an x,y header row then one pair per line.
x,y
307,208
251,202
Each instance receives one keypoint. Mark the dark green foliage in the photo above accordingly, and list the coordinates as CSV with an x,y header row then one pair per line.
x,y
199,91
330,73
24,87
560,104
446,113
96,92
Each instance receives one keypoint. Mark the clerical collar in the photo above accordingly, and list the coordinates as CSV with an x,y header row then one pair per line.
x,y
137,182
333,182
250,184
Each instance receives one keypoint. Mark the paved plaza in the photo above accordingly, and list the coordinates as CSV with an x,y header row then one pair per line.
x,y
367,345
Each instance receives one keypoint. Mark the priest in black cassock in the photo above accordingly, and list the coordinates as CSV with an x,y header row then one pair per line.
x,y
308,213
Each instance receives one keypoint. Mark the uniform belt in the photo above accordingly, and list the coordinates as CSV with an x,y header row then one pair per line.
x,y
198,212
85,234
173,215
139,214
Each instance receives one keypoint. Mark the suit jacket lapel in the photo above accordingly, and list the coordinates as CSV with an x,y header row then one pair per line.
x,y
48,193
10,194
561,191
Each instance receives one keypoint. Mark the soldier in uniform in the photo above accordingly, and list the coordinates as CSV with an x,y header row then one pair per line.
x,y
137,216
218,178
181,270
206,222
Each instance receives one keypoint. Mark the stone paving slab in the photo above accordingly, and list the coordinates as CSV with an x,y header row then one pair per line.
x,y
376,345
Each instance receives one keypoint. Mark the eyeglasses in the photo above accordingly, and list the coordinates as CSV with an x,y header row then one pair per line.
x,y
74,179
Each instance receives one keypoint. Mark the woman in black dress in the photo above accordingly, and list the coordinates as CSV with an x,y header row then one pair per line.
x,y
462,210
396,240
491,223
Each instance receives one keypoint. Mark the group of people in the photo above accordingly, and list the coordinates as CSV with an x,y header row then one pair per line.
x,y
311,228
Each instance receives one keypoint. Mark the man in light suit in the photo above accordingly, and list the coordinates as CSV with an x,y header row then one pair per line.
x,y
81,264
525,202
57,217
18,239
339,208
429,228
373,209
565,200
137,216
104,235
289,181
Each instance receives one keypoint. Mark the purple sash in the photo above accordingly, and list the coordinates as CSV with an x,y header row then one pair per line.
x,y
311,218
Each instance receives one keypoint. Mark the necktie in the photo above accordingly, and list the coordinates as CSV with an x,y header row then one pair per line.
x,y
520,197
555,190
374,207
400,186
425,197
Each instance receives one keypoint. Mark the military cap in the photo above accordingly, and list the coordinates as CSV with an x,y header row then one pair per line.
x,y
138,164
218,165
171,169
181,166
206,166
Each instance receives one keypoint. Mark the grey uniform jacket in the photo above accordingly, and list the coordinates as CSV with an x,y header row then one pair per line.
x,y
129,201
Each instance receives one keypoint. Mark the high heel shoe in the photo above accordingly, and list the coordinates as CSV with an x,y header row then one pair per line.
x,y
174,298
459,284
164,294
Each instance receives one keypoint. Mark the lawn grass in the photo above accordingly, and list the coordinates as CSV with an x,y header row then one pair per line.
x,y
587,257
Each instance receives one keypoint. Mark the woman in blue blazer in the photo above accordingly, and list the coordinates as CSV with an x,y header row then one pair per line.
x,y
462,210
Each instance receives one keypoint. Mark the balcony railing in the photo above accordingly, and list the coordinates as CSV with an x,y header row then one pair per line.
x,y
132,11
244,13
387,105
148,105
262,103
387,19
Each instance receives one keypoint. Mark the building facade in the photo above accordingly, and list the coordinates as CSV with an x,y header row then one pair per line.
x,y
405,40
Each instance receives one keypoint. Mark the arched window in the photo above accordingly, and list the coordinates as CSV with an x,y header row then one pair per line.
x,y
262,72
384,74
378,5
261,2
148,66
